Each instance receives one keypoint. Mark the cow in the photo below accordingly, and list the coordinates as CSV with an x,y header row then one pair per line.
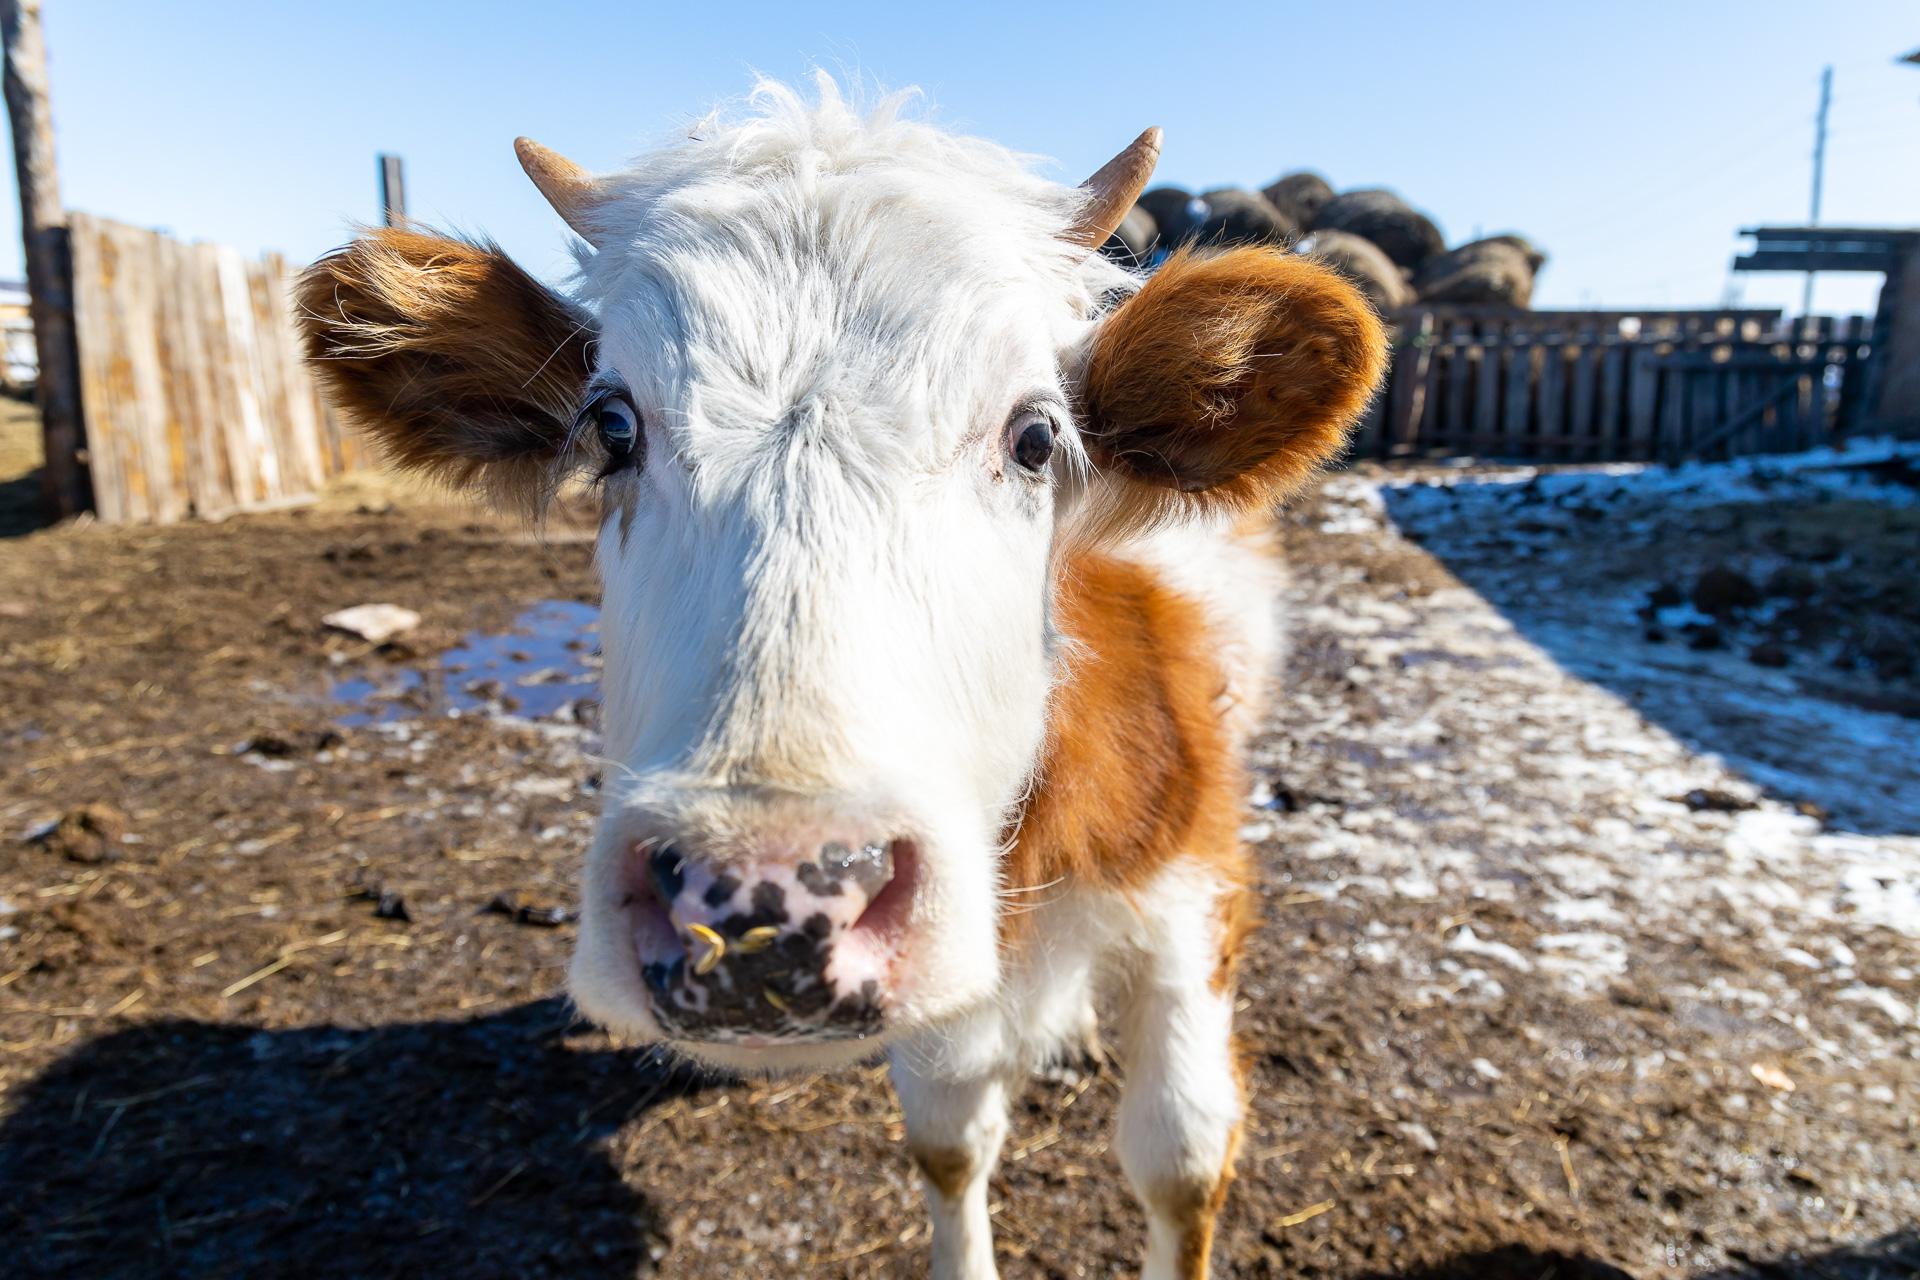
x,y
939,599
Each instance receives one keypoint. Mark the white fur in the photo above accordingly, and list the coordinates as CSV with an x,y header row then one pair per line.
x,y
828,585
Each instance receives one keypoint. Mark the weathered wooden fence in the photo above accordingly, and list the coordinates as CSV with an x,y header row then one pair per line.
x,y
1584,386
195,398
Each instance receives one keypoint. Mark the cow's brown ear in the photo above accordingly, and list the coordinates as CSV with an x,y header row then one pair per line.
x,y
457,362
1227,380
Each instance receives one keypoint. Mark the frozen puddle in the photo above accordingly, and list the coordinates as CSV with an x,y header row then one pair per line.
x,y
545,665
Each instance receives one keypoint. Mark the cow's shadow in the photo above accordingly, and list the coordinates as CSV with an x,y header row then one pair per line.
x,y
457,1148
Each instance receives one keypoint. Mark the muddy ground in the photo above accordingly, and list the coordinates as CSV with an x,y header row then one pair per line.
x,y
1543,989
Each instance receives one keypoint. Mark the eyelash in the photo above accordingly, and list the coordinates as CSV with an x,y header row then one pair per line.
x,y
1018,432
625,449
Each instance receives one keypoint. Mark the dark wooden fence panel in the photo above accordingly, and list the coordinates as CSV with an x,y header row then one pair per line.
x,y
1595,386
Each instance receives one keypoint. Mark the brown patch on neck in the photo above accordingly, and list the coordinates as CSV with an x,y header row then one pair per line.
x,y
1139,767
948,1170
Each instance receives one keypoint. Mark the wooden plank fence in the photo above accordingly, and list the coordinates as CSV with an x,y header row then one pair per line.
x,y
196,400
1591,386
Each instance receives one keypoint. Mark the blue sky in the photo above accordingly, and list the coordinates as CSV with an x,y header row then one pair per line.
x,y
1631,140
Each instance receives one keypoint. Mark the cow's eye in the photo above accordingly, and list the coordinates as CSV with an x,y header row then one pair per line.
x,y
1030,439
612,415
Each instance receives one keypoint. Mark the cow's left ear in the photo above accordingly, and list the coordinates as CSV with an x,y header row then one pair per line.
x,y
452,358
1227,380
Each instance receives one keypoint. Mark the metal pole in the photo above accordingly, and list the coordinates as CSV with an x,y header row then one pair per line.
x,y
1819,172
393,190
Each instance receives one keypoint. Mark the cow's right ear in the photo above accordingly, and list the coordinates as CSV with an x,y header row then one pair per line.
x,y
457,362
1224,384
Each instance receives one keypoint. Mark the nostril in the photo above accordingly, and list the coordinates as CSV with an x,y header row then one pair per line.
x,y
870,867
668,871
888,907
650,920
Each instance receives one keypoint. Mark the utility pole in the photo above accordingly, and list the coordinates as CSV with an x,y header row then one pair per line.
x,y
1819,172
393,190
43,235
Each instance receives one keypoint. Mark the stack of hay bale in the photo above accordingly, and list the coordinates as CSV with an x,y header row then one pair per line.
x,y
1392,251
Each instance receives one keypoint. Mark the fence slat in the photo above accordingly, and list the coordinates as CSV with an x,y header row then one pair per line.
x,y
1517,399
1411,359
1552,393
1486,399
294,386
94,261
1427,430
1451,422
1704,406
191,386
1580,417
167,450
1670,417
1643,390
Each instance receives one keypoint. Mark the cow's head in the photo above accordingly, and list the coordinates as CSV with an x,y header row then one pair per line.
x,y
847,386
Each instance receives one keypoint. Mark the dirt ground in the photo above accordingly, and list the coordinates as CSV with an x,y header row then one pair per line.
x,y
1543,990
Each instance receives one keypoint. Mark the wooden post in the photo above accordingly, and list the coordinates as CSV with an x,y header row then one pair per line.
x,y
1408,390
43,233
393,190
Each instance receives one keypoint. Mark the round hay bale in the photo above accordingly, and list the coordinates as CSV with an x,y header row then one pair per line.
x,y
1488,272
1536,257
1361,261
1238,216
1403,233
1176,213
1133,239
1300,195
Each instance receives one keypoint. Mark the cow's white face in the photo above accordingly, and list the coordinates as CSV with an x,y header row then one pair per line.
x,y
825,564
828,370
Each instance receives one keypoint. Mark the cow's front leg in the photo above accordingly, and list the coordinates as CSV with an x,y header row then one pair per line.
x,y
1181,1111
954,1132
